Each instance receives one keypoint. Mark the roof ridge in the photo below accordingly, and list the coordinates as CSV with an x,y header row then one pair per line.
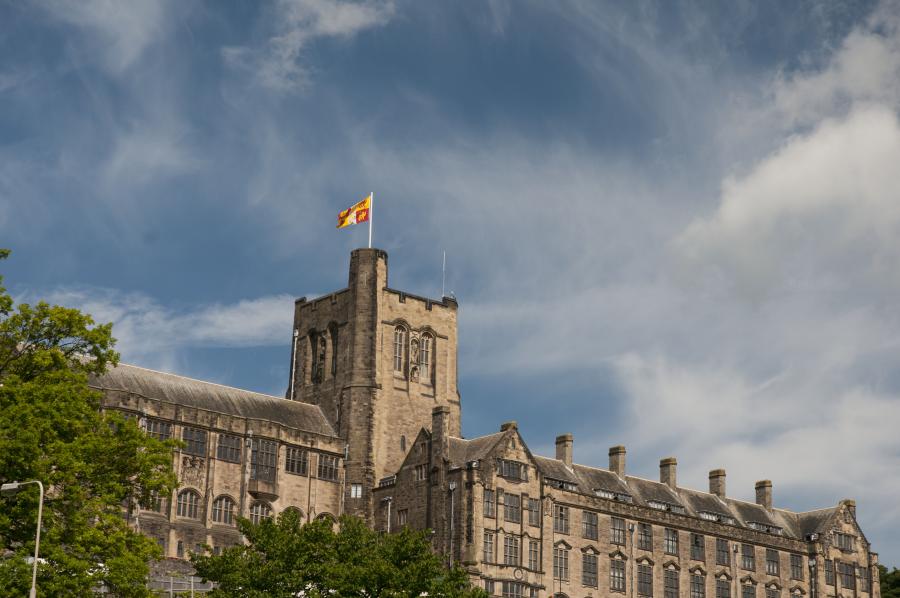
x,y
262,394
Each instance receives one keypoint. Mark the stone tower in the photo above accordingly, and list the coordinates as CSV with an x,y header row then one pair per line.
x,y
377,361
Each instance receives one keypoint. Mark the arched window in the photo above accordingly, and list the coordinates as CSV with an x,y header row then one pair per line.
x,y
188,504
425,357
223,510
259,511
327,517
293,512
400,337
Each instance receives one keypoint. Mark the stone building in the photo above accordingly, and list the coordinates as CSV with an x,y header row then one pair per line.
x,y
370,425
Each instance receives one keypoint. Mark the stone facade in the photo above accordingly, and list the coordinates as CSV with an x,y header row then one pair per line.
x,y
370,425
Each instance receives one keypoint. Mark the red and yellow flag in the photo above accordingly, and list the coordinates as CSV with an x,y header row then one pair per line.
x,y
356,213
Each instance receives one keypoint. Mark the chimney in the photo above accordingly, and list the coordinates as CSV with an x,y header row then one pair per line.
x,y
440,433
717,482
511,425
851,505
764,494
667,469
564,444
617,460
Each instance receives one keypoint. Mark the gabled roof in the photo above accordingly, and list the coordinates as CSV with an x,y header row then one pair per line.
x,y
463,450
817,521
227,400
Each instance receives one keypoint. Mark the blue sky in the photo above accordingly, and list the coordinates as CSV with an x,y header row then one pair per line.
x,y
670,225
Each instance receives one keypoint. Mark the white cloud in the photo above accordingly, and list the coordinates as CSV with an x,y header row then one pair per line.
x,y
150,333
278,65
119,31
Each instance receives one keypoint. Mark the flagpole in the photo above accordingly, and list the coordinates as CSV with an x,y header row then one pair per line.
x,y
371,215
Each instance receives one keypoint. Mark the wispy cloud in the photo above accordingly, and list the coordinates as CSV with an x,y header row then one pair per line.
x,y
278,63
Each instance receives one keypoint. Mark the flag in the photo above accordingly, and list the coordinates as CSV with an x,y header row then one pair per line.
x,y
356,213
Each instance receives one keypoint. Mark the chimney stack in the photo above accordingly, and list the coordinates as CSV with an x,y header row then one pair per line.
x,y
764,494
667,469
617,460
510,425
717,482
440,433
564,444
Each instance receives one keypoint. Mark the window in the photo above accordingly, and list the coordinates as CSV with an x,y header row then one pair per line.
x,y
670,583
561,562
260,511
328,467
589,525
155,503
488,547
796,567
195,441
847,571
534,555
159,430
698,586
511,550
698,547
318,347
425,357
188,504
616,575
534,511
560,519
722,557
829,572
843,541
489,586
355,490
512,510
772,593
399,348
748,557
645,579
617,531
334,348
772,565
670,544
489,503
589,570
179,549
229,448
748,591
863,574
223,510
723,588
263,460
645,536
402,516
420,473
296,460
513,589
512,469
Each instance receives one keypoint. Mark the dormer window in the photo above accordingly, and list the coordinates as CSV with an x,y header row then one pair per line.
x,y
604,493
512,470
665,506
561,485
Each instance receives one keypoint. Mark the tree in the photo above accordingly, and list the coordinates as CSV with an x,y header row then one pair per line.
x,y
285,558
92,463
890,582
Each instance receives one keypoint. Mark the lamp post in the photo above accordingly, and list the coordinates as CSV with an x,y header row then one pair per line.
x,y
12,488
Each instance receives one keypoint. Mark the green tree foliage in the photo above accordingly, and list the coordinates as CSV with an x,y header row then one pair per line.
x,y
287,558
890,582
91,463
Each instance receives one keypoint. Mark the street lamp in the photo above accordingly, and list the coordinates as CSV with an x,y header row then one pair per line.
x,y
11,489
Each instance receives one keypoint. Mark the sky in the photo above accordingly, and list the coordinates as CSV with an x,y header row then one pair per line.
x,y
669,225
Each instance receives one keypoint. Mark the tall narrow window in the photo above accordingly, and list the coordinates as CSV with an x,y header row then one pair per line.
x,y
296,460
328,467
399,348
589,525
534,555
616,575
772,566
698,547
796,566
645,579
671,541
645,536
488,549
829,572
263,460
721,551
670,583
534,511
317,350
560,519
723,588
489,503
511,550
748,591
589,569
512,508
334,348
425,357
617,531
561,562
698,586
748,557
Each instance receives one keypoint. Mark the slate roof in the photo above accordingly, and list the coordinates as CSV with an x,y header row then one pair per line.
x,y
213,397
463,450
